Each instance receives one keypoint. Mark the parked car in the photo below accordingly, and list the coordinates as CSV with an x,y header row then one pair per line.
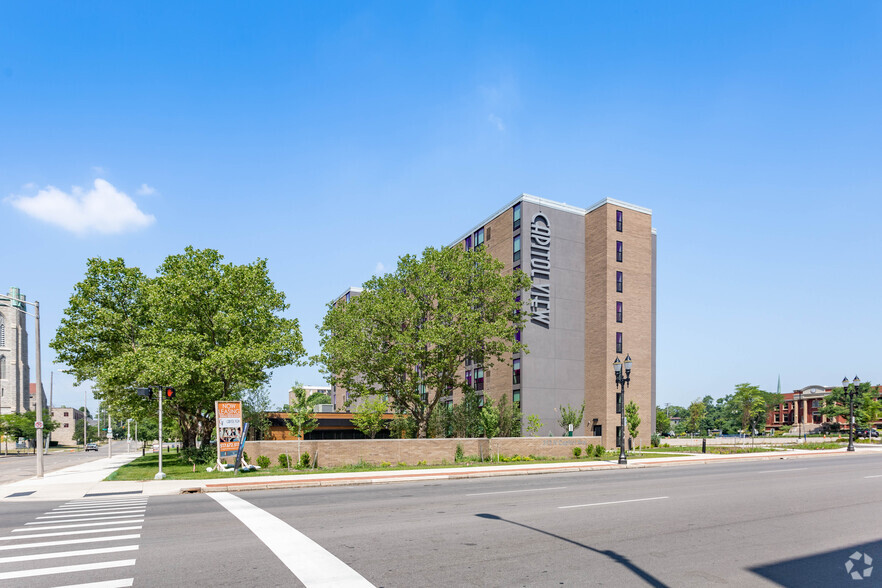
x,y
91,447
867,433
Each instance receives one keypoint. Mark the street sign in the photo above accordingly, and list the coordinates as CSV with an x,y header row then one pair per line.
x,y
38,424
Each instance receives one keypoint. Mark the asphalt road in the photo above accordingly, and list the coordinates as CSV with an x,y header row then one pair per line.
x,y
793,522
15,466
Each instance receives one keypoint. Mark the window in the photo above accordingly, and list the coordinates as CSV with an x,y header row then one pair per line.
x,y
2,367
2,333
618,343
618,251
619,221
776,417
481,400
618,403
479,238
516,398
518,335
468,377
619,279
516,213
348,296
66,413
479,379
66,425
424,396
468,243
618,312
516,371
517,249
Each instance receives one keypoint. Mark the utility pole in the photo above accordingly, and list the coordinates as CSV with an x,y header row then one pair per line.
x,y
109,436
85,422
51,386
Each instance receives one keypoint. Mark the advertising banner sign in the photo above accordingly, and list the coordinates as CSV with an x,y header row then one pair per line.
x,y
229,428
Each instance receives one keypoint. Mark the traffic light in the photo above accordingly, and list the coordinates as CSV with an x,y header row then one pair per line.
x,y
145,392
169,393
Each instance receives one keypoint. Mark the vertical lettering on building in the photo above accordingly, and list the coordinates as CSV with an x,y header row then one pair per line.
x,y
540,270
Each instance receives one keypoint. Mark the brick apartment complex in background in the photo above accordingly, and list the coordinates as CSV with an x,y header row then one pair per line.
x,y
801,412
592,299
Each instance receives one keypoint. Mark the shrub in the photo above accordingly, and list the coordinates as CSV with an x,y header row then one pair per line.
x,y
245,457
206,454
589,450
283,460
599,450
263,461
401,464
421,462
385,464
458,456
304,460
577,451
655,440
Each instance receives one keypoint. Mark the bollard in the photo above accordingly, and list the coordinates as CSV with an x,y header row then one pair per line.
x,y
704,445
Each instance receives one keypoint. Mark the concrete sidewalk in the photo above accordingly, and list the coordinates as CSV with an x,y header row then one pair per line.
x,y
88,479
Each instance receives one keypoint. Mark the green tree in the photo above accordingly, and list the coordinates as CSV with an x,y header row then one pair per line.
x,y
407,334
662,421
570,416
301,411
696,412
489,424
534,423
510,418
92,432
753,406
15,425
465,418
632,416
368,416
256,404
867,406
212,330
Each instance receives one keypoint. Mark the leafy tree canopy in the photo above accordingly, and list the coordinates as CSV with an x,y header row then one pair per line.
x,y
867,405
407,334
210,329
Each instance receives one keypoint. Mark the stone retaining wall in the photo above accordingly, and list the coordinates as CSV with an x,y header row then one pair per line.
x,y
413,451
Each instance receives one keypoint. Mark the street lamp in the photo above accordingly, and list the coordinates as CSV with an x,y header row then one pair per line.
x,y
851,392
39,416
621,381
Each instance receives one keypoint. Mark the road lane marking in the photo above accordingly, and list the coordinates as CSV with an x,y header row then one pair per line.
x,y
91,519
62,533
61,515
75,553
66,569
123,583
514,491
779,471
26,529
105,502
615,502
68,541
77,507
313,565
879,476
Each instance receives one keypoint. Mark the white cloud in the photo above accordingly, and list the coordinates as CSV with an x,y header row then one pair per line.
x,y
102,209
380,267
497,122
146,190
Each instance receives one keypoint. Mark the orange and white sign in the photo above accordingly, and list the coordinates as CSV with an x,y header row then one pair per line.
x,y
229,428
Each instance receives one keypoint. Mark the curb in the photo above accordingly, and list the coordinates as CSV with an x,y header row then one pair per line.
x,y
404,477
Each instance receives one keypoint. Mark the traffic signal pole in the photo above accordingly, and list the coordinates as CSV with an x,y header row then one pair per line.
x,y
160,475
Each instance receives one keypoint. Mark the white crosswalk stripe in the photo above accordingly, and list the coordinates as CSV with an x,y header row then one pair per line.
x,y
26,553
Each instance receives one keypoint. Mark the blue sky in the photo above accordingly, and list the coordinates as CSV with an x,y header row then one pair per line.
x,y
331,138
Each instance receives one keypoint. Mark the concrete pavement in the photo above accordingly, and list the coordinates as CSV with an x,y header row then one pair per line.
x,y
88,478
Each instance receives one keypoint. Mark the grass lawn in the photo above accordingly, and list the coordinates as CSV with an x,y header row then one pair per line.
x,y
144,468
715,449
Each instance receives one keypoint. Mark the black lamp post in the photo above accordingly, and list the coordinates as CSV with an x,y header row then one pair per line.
x,y
621,380
851,392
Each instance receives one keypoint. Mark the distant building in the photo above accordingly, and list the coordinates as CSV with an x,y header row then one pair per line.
x,y
14,373
310,390
32,397
66,418
801,411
